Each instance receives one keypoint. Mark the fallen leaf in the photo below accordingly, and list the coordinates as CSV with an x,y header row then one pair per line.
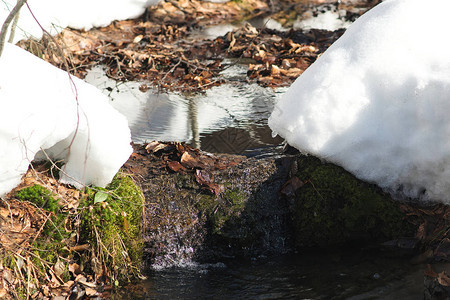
x,y
79,248
176,166
443,250
90,292
59,268
291,186
429,272
75,269
443,279
100,197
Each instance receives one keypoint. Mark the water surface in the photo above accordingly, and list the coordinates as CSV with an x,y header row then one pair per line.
x,y
231,118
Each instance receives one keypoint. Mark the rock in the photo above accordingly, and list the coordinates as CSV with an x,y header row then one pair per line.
x,y
334,207
268,205
185,221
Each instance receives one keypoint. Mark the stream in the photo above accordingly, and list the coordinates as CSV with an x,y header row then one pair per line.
x,y
350,275
232,118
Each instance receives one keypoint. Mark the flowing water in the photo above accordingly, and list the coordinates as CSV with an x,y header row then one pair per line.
x,y
349,275
232,118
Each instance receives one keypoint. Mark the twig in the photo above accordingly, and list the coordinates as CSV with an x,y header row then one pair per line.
x,y
8,21
75,90
171,70
13,28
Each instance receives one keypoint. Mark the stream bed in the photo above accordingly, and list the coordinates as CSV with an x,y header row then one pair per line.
x,y
350,275
232,118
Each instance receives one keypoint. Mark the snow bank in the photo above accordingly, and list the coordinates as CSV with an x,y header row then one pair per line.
x,y
377,102
54,15
38,109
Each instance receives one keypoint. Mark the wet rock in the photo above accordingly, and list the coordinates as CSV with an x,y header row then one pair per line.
x,y
185,221
333,207
437,285
263,206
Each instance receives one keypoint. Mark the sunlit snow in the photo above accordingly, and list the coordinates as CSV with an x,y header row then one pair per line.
x,y
54,15
328,20
39,111
377,101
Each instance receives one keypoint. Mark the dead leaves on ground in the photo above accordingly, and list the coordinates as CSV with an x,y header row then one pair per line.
x,y
204,12
278,57
183,159
159,51
21,224
433,227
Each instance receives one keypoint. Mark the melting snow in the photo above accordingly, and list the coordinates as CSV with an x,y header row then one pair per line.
x,y
377,101
81,14
39,111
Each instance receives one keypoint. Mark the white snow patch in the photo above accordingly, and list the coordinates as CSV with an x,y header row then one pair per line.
x,y
327,20
54,15
377,101
39,111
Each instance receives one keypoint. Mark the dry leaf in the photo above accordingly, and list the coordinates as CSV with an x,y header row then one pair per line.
x,y
91,292
75,269
429,272
443,279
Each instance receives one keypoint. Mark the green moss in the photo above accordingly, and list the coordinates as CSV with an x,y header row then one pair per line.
x,y
47,248
111,222
40,196
334,207
228,217
43,198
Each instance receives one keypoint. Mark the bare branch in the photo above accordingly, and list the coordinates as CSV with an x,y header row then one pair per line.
x,y
8,21
13,28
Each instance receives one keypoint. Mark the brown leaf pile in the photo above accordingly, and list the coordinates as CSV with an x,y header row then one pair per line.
x,y
204,12
433,225
278,57
159,51
181,158
21,224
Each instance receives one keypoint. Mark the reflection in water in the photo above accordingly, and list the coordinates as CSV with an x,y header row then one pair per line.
x,y
213,32
194,124
231,118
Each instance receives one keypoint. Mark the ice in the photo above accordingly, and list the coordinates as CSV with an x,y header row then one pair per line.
x,y
38,110
54,15
377,101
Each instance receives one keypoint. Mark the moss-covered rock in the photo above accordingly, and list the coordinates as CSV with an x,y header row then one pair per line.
x,y
187,222
334,207
111,221
106,223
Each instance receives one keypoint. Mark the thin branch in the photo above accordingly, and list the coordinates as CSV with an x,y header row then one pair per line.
x,y
13,28
8,21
